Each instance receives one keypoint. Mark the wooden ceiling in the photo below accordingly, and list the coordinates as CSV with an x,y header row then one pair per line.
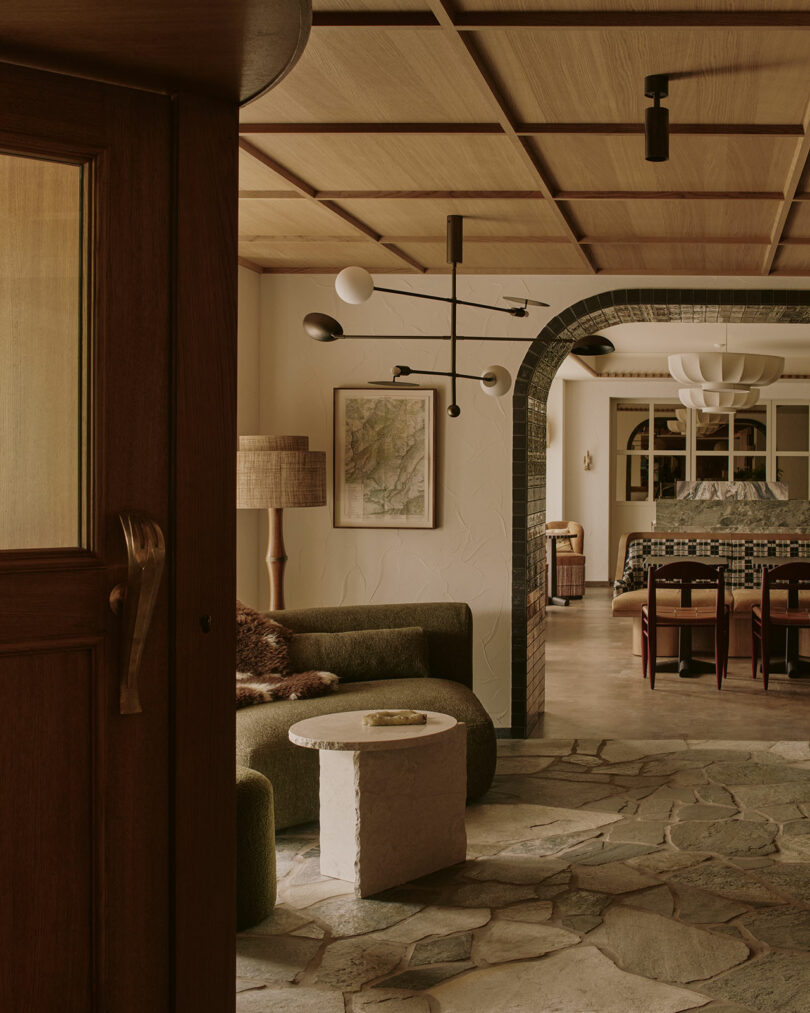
x,y
526,117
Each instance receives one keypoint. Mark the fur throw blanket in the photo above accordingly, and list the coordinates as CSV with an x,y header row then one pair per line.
x,y
263,664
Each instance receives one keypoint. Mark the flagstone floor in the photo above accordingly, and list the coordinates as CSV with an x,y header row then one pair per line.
x,y
603,876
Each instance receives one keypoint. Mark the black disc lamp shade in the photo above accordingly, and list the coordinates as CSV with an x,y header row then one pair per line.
x,y
322,327
656,119
593,344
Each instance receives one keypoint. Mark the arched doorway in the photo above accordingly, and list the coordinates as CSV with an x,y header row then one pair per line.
x,y
539,366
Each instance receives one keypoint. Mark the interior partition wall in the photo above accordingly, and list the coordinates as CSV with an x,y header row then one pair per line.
x,y
539,366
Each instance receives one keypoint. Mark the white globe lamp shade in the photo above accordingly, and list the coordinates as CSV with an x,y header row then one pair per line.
x,y
718,402
354,285
725,370
496,381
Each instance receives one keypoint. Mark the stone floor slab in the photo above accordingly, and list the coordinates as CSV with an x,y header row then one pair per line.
x,y
290,1000
530,911
440,951
656,947
717,877
348,916
419,979
579,980
513,869
273,958
612,878
774,982
503,941
433,921
524,822
348,964
726,837
705,908
381,1000
781,927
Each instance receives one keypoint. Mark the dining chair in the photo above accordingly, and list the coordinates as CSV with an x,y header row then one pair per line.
x,y
670,604
783,605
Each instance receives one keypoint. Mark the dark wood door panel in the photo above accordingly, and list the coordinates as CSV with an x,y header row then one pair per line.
x,y
61,604
48,794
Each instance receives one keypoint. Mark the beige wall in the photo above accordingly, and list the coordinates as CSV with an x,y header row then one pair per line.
x,y
468,556
250,526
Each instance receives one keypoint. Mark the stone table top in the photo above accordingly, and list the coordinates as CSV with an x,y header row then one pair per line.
x,y
345,730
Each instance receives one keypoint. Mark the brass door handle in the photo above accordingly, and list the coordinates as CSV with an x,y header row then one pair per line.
x,y
146,554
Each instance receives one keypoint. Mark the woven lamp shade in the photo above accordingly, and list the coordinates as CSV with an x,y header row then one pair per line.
x,y
279,471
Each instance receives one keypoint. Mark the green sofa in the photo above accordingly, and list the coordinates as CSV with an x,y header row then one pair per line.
x,y
262,741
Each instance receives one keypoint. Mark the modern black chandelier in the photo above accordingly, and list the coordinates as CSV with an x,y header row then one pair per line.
x,y
355,285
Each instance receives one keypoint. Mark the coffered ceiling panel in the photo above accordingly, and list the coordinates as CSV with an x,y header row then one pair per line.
x,y
290,218
423,217
526,118
254,176
328,257
716,164
598,76
682,219
681,259
630,6
798,223
792,260
500,258
384,76
397,161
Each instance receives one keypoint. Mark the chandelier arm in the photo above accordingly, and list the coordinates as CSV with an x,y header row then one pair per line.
x,y
427,337
515,311
407,371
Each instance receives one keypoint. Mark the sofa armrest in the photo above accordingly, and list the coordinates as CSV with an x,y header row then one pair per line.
x,y
447,626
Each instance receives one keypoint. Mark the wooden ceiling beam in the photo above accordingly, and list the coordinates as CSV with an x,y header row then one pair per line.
x,y
482,20
311,194
526,129
476,20
573,195
794,177
561,195
464,45
675,240
538,240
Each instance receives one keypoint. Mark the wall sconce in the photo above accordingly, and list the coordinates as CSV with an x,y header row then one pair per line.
x,y
587,461
355,285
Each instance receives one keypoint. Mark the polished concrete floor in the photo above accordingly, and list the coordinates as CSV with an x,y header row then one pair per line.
x,y
595,689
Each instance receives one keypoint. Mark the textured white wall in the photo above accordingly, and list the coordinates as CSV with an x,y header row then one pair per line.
x,y
468,557
248,522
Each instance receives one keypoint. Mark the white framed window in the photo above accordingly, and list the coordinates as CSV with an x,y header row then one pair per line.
x,y
659,443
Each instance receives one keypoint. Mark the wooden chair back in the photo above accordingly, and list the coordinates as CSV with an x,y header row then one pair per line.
x,y
790,577
686,576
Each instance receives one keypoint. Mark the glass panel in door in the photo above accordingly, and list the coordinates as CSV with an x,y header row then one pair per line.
x,y
42,390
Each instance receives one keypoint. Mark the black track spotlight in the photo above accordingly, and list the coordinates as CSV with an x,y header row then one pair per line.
x,y
656,119
593,344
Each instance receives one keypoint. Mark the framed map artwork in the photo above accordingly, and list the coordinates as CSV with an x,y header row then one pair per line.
x,y
385,458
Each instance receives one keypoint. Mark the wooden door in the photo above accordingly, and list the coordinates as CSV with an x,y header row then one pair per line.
x,y
95,330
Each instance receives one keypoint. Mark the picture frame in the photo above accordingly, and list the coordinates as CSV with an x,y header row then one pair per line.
x,y
384,473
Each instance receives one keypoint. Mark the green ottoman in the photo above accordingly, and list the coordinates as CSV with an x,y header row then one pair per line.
x,y
255,848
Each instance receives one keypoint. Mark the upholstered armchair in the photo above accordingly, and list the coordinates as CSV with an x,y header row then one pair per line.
x,y
570,559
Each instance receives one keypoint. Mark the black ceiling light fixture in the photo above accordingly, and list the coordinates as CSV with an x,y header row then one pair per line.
x,y
656,119
355,285
593,344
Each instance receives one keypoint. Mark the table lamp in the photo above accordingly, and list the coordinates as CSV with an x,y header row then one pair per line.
x,y
274,472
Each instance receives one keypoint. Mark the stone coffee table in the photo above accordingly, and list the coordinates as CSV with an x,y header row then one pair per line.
x,y
392,797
